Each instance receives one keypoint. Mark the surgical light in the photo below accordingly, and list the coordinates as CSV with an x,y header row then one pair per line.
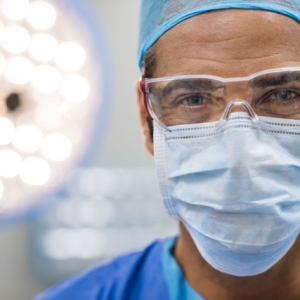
x,y
48,116
10,164
1,189
19,70
54,84
57,147
75,88
35,171
73,111
2,63
7,130
43,47
15,39
42,15
70,56
15,9
46,79
28,138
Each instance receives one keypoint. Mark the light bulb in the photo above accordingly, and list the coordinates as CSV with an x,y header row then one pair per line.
x,y
19,70
75,88
28,138
56,147
46,79
70,56
15,39
43,47
7,130
10,163
41,15
15,9
35,171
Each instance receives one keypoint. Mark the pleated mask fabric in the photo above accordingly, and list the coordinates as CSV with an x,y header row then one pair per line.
x,y
236,191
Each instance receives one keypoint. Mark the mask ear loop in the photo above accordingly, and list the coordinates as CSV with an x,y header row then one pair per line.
x,y
225,116
147,104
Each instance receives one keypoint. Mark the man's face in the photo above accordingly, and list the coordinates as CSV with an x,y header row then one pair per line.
x,y
228,43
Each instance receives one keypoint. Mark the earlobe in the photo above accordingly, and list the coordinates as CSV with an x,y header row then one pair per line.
x,y
146,131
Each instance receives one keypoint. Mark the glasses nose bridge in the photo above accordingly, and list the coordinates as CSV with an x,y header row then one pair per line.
x,y
238,105
239,98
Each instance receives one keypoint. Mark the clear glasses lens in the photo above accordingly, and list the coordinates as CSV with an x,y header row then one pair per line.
x,y
202,99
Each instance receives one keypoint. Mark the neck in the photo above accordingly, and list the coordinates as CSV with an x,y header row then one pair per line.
x,y
282,281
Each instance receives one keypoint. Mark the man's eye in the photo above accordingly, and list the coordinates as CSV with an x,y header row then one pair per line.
x,y
194,100
283,95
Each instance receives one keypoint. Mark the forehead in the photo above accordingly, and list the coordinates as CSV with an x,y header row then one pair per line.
x,y
228,43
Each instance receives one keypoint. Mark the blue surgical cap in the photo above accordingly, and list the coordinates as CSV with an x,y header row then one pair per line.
x,y
158,16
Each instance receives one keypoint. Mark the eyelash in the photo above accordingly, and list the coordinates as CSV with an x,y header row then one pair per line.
x,y
267,97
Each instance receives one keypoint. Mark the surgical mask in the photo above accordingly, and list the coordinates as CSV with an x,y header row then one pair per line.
x,y
234,184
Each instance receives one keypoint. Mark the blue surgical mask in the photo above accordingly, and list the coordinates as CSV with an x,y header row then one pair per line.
x,y
236,189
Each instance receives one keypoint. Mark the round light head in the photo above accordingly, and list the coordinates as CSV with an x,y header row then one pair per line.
x,y
54,98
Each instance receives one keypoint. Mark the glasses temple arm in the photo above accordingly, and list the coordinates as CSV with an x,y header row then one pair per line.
x,y
143,90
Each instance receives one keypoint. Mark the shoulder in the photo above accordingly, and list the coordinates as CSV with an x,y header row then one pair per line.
x,y
126,277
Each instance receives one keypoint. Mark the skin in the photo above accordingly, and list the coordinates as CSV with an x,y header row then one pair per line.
x,y
229,43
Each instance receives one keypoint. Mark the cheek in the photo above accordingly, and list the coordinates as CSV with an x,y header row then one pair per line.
x,y
150,148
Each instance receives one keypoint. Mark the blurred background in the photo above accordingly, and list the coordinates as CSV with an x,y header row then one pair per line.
x,y
109,207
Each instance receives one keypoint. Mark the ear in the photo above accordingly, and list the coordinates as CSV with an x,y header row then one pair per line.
x,y
143,120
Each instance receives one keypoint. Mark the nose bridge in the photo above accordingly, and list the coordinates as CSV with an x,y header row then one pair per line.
x,y
238,90
238,99
238,107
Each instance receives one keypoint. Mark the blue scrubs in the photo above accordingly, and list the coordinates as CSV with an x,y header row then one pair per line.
x,y
150,274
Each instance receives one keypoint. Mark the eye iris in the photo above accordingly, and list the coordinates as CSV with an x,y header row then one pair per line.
x,y
194,100
284,95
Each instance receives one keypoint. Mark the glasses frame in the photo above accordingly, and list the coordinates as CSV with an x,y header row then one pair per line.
x,y
144,81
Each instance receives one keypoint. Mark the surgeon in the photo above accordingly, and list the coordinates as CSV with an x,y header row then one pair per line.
x,y
219,102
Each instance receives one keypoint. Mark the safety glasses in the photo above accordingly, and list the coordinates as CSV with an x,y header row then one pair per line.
x,y
190,99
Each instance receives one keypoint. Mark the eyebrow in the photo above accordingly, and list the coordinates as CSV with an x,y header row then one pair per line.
x,y
276,80
196,84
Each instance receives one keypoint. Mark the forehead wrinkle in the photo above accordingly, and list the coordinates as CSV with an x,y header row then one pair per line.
x,y
229,44
228,61
205,51
242,45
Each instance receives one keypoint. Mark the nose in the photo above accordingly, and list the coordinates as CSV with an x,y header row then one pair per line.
x,y
238,108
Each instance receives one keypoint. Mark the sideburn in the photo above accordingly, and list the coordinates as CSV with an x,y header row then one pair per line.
x,y
150,127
